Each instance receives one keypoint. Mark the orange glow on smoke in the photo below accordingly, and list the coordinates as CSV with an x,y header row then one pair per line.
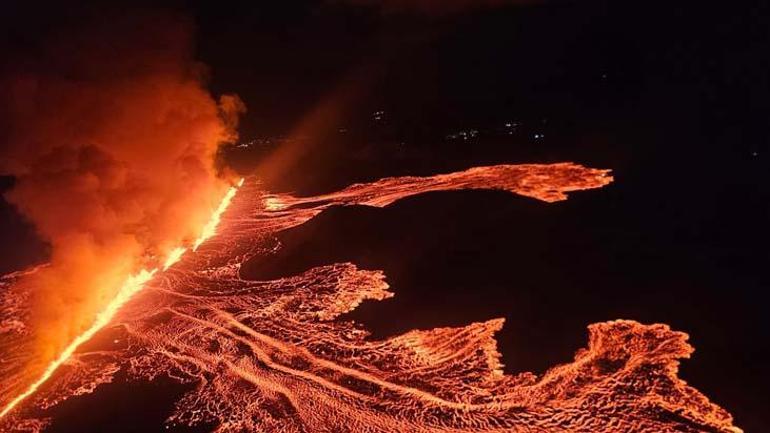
x,y
132,285
112,140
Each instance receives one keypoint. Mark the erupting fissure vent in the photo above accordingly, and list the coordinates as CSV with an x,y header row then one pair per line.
x,y
273,356
132,286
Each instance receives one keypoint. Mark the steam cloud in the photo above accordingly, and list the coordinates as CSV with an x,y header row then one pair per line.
x,y
112,138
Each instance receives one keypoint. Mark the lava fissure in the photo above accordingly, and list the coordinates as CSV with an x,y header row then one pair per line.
x,y
131,287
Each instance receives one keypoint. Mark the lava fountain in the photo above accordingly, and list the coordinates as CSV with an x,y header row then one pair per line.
x,y
275,355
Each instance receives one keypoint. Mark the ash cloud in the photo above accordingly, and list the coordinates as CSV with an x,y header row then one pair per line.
x,y
112,138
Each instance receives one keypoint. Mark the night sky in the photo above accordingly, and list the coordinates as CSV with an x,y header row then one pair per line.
x,y
674,97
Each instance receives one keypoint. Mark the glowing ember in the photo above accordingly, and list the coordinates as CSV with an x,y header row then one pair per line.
x,y
273,356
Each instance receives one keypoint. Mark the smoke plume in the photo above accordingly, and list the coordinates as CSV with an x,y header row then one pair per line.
x,y
112,139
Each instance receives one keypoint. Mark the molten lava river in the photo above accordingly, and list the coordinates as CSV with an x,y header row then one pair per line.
x,y
273,356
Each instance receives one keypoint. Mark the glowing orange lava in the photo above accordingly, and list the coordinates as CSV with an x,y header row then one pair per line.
x,y
174,257
275,356
133,285
210,228
129,288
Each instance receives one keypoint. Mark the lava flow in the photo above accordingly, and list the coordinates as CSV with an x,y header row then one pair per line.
x,y
133,285
275,356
